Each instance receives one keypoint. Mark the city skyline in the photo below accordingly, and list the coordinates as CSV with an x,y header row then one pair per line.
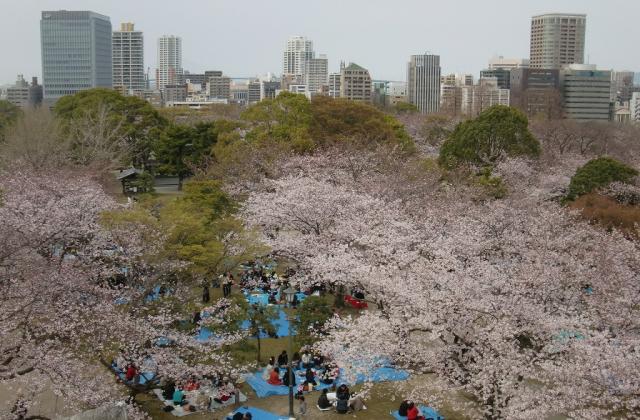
x,y
215,45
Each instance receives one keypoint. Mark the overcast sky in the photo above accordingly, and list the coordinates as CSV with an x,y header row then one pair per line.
x,y
247,37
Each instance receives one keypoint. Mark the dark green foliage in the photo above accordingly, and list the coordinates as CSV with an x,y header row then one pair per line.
x,y
181,148
312,314
498,132
8,115
599,173
140,123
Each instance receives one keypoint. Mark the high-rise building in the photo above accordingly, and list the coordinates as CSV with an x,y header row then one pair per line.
x,y
169,70
423,82
299,50
76,52
500,62
355,83
634,107
316,74
623,87
586,92
557,40
536,92
128,59
24,95
253,91
334,85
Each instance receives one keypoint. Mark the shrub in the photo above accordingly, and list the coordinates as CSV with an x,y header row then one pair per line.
x,y
498,132
598,173
608,213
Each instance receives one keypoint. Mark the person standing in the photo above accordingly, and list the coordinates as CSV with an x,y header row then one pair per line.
x,y
205,294
302,410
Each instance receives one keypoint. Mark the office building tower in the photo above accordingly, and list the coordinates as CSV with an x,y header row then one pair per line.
x,y
299,50
557,40
316,74
76,52
476,99
269,89
634,107
622,86
169,70
503,76
423,82
536,92
25,95
219,87
500,62
253,91
334,85
355,83
128,59
586,92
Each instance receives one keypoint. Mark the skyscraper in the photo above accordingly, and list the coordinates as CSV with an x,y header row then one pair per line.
x,y
169,70
557,40
128,59
316,74
299,50
423,82
76,52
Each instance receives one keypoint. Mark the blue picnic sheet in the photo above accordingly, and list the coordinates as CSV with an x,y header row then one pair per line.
x,y
261,298
144,377
428,413
256,414
381,374
281,325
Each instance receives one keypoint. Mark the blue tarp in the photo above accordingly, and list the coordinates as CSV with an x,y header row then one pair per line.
x,y
428,412
257,414
281,325
381,374
144,377
262,298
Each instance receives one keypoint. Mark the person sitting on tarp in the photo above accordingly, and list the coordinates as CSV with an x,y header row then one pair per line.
x,y
240,416
268,368
357,403
274,377
196,317
289,374
191,384
404,408
178,396
168,389
309,377
283,358
317,360
121,361
131,372
225,392
343,392
306,360
413,413
357,293
272,299
295,362
323,400
342,406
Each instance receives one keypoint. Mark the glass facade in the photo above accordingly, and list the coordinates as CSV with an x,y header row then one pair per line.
x,y
76,52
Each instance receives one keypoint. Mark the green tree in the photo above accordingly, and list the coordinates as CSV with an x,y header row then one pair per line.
x,y
181,148
340,120
140,123
598,173
405,108
498,132
313,312
260,322
9,114
284,118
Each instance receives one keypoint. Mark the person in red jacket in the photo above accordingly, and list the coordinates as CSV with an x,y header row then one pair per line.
x,y
413,413
131,372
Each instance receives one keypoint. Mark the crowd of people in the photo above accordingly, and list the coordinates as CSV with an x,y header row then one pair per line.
x,y
200,393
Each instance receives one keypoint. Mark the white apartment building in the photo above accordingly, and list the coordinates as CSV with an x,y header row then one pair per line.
x,y
316,74
299,50
128,59
634,107
557,40
169,70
